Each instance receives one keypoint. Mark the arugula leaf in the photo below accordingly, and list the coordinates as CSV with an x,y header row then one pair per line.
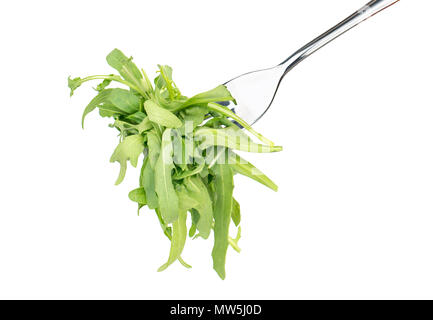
x,y
113,101
164,80
141,127
93,104
154,145
161,116
162,98
189,173
216,107
236,212
148,182
128,70
108,110
129,149
218,94
167,197
192,117
222,213
234,242
144,125
195,216
240,165
138,195
221,121
233,139
168,232
177,241
198,191
136,118
192,230
186,201
180,157
74,84
105,83
124,100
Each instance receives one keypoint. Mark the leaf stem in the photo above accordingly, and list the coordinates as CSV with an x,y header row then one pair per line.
x,y
234,242
228,113
234,245
186,265
214,160
114,78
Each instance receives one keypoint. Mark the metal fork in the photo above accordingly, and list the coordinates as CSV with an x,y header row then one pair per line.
x,y
255,91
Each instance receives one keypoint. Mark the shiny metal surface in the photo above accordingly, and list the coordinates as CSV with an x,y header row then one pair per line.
x,y
255,91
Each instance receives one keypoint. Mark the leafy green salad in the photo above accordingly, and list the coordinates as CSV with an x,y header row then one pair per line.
x,y
189,153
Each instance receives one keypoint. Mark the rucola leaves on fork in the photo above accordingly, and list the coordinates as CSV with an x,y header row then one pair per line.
x,y
188,153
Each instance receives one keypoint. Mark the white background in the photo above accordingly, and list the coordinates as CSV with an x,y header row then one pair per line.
x,y
354,214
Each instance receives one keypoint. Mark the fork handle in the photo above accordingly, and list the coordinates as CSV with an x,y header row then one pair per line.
x,y
367,11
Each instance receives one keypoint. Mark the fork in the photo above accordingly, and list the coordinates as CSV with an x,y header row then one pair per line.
x,y
255,91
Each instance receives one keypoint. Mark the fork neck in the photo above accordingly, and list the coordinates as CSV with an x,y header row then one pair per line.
x,y
367,11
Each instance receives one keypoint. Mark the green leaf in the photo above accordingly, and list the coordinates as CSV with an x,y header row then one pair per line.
x,y
94,103
222,213
147,180
234,242
154,145
192,230
192,117
236,212
141,127
231,138
186,201
138,195
177,241
129,149
158,129
149,86
113,101
218,94
135,118
161,116
195,216
241,166
188,173
165,228
105,83
167,197
165,77
124,100
220,121
216,107
198,191
165,86
168,233
163,99
108,110
144,125
73,84
181,157
128,70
